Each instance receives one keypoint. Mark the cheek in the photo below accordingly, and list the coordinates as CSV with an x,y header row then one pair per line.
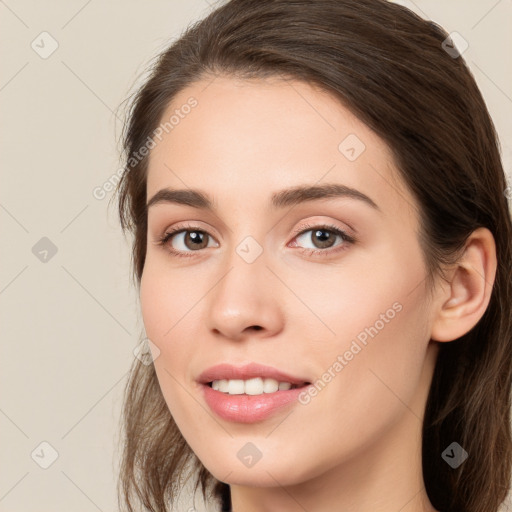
x,y
375,336
167,298
167,311
155,301
379,384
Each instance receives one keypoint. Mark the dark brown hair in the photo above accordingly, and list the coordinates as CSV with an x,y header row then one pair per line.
x,y
389,67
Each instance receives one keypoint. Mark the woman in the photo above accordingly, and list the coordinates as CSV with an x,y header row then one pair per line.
x,y
322,247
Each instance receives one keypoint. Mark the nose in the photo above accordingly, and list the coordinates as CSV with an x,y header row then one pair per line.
x,y
245,302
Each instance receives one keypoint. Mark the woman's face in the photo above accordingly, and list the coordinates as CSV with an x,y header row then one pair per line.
x,y
264,276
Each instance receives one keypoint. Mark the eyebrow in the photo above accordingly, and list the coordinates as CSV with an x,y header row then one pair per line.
x,y
281,199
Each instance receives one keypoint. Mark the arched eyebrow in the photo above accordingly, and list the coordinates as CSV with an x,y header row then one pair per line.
x,y
280,199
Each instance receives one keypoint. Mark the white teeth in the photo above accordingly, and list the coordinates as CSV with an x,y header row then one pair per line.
x,y
270,386
255,386
236,387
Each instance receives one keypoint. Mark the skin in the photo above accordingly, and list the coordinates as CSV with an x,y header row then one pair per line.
x,y
356,446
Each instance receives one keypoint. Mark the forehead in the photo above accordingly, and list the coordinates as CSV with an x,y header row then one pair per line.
x,y
247,138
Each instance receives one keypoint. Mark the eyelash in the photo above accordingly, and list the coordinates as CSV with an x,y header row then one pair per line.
x,y
347,239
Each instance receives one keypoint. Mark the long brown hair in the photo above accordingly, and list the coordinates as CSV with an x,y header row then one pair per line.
x,y
390,68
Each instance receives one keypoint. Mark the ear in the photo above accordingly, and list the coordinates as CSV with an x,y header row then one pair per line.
x,y
464,301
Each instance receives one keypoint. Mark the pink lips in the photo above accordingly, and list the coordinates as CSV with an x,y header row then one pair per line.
x,y
248,408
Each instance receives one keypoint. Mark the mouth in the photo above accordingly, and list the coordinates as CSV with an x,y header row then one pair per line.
x,y
253,386
249,394
250,379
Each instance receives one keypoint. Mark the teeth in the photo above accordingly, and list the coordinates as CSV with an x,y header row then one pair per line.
x,y
255,386
270,386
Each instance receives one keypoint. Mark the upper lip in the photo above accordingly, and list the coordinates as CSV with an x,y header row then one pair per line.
x,y
248,371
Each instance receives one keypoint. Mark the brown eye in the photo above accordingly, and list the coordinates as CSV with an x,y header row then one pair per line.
x,y
195,239
324,238
189,240
321,238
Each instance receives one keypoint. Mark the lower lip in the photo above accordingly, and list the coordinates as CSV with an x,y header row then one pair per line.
x,y
248,408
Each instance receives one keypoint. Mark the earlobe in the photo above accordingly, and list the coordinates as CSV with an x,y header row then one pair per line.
x,y
463,303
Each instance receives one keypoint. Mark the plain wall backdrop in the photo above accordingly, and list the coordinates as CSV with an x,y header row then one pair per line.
x,y
69,315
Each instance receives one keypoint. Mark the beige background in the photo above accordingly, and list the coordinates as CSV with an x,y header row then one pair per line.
x,y
70,324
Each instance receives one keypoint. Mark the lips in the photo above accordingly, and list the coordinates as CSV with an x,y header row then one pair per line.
x,y
249,371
